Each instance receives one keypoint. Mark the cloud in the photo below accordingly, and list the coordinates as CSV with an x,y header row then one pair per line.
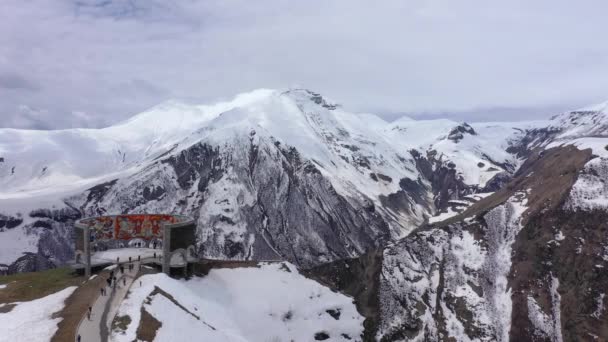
x,y
114,58
12,80
41,119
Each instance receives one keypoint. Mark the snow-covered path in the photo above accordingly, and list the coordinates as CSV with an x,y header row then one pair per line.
x,y
105,307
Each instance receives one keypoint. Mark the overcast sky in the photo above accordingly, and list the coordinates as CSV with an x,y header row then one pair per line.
x,y
90,63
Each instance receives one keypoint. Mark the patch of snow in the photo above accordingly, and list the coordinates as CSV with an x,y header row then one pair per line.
x,y
32,321
590,191
453,325
272,302
556,309
123,254
596,144
443,216
599,309
503,225
16,241
542,323
547,326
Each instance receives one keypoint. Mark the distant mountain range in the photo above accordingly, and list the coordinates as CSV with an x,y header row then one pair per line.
x,y
476,231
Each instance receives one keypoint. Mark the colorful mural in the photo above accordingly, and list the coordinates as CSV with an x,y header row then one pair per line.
x,y
127,227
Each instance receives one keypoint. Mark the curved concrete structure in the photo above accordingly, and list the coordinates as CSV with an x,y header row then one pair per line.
x,y
175,233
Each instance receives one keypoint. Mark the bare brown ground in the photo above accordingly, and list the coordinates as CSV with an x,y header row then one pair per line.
x,y
25,287
203,267
548,175
148,326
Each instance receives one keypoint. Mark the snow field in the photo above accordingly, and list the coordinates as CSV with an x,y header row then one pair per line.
x,y
16,241
270,303
124,254
32,321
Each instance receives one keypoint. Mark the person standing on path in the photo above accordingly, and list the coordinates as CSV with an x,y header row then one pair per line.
x,y
78,338
139,258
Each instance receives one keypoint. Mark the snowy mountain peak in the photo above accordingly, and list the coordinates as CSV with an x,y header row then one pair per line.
x,y
586,122
302,95
598,107
458,132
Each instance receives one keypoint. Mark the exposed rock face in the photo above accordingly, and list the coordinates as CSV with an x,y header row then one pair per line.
x,y
452,282
264,202
269,175
458,132
525,264
357,278
445,183
9,222
30,262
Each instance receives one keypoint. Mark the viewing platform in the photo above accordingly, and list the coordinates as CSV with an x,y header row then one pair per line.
x,y
165,240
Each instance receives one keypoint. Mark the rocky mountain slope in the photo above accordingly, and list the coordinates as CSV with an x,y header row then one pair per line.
x,y
268,175
524,264
440,230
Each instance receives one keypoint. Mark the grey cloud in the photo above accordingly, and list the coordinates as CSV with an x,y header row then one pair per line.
x,y
11,80
113,58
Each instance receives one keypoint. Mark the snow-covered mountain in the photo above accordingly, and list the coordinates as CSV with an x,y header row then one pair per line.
x,y
523,264
268,175
440,230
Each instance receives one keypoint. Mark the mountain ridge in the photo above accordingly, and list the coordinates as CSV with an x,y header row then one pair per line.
x,y
393,176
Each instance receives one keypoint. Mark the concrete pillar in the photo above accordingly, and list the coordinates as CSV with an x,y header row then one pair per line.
x,y
87,252
166,249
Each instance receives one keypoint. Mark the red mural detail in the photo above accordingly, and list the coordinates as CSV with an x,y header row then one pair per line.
x,y
127,227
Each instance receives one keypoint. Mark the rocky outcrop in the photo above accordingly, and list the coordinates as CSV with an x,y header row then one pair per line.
x,y
444,181
257,203
8,222
358,278
519,265
30,262
458,132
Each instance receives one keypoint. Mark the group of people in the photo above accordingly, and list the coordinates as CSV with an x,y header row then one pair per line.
x,y
139,244
112,281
